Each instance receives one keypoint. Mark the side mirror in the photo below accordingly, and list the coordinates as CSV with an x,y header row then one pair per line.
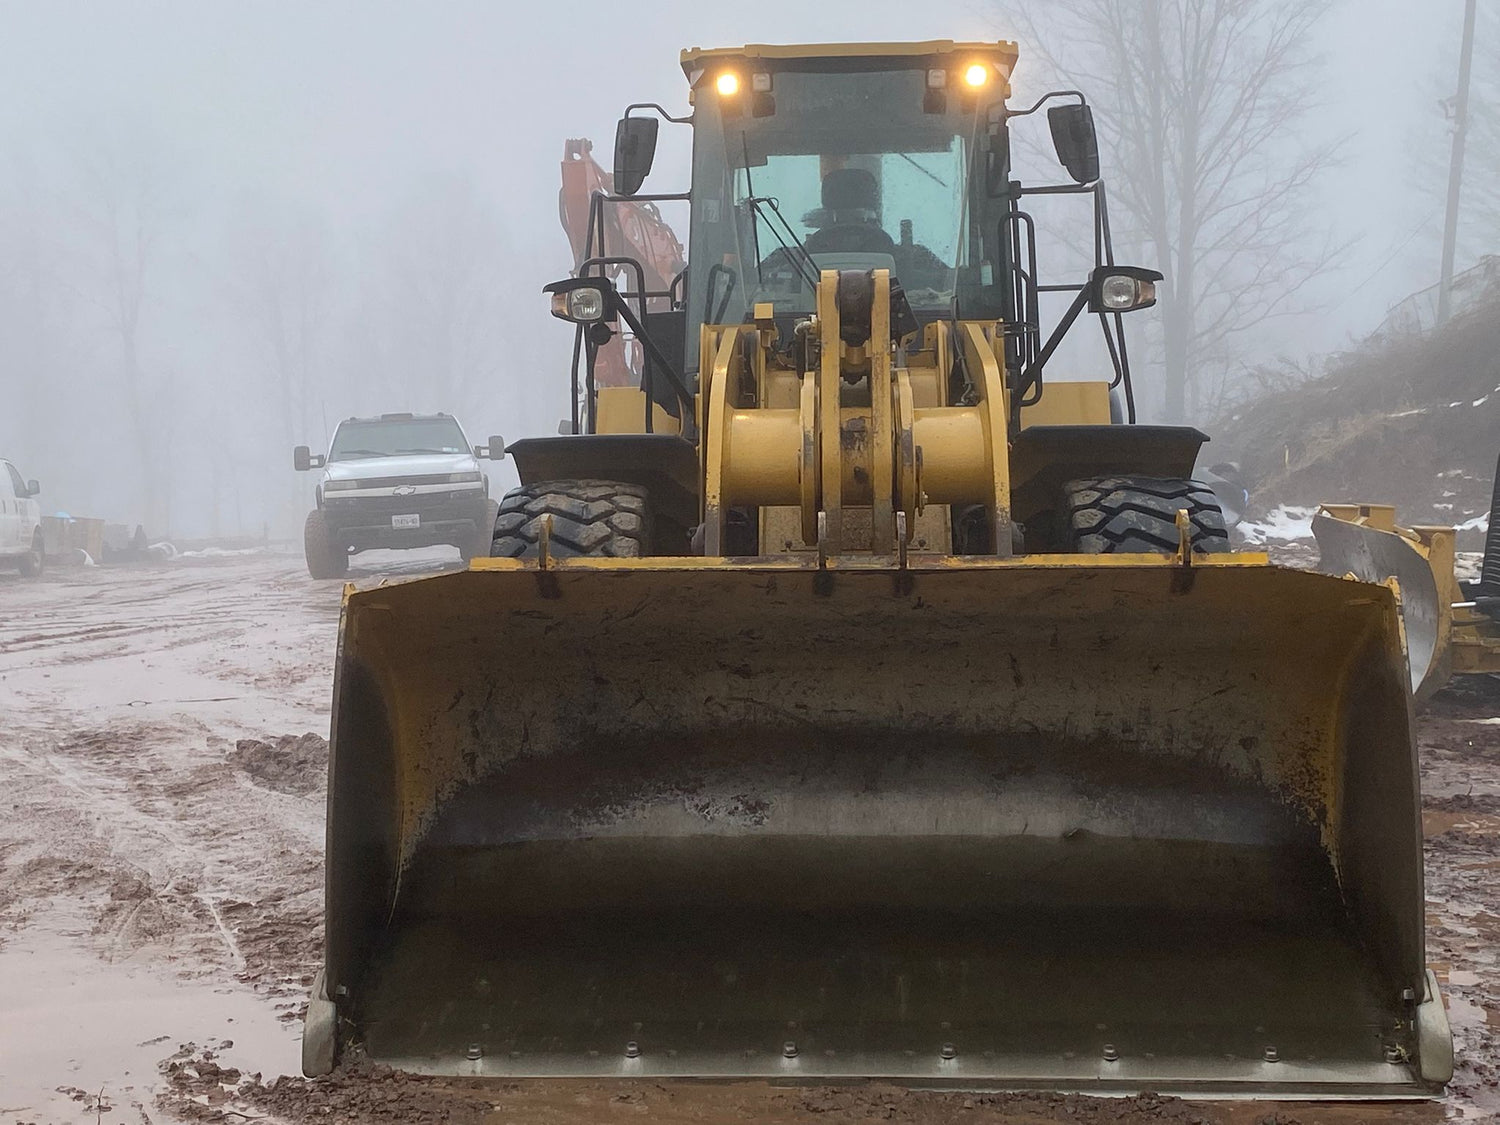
x,y
1122,289
1075,141
494,450
584,300
635,148
303,459
32,488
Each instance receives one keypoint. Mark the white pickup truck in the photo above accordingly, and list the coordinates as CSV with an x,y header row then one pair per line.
x,y
20,522
397,481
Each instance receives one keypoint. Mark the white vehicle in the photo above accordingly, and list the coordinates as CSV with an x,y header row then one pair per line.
x,y
20,522
397,481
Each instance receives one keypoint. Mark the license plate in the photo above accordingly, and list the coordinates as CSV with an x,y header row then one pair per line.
x,y
406,521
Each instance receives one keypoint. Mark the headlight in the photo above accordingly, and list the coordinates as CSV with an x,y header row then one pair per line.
x,y
581,306
1121,289
340,485
465,478
583,300
976,75
1120,293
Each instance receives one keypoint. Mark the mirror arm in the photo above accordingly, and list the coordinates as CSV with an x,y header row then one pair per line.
x,y
660,112
1044,99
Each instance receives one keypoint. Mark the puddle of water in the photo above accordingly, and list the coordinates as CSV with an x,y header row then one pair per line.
x,y
71,1021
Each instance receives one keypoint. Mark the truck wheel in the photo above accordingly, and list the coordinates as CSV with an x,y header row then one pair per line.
x,y
478,544
589,517
1111,515
34,561
325,558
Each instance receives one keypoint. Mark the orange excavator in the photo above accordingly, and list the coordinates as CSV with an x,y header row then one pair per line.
x,y
611,242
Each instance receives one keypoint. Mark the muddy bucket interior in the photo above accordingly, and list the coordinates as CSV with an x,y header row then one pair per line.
x,y
1010,825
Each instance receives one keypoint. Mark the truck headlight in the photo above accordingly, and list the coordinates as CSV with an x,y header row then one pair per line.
x,y
340,485
465,478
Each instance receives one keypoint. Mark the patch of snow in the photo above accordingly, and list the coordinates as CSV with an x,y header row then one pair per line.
x,y
1482,401
1451,405
1284,523
1409,413
1478,523
222,552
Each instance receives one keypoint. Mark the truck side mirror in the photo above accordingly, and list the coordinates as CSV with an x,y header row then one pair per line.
x,y
635,148
32,488
496,448
1074,139
303,459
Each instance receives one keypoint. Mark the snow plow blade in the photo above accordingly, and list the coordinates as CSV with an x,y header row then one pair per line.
x,y
1349,543
1057,822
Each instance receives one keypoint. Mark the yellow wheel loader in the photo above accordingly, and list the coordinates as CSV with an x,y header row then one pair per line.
x,y
858,698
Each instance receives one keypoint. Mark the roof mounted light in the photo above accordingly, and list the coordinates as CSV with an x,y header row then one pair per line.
x,y
976,75
728,84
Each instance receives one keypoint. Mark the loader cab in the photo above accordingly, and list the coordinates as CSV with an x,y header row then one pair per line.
x,y
895,161
847,157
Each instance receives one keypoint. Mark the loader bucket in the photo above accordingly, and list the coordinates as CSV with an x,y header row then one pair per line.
x,y
1042,822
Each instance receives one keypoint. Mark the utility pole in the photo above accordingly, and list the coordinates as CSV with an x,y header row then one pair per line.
x,y
1456,167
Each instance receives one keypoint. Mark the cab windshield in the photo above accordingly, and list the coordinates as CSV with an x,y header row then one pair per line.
x,y
850,171
391,438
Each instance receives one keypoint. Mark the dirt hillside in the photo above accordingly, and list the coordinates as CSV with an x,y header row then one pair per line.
x,y
1413,421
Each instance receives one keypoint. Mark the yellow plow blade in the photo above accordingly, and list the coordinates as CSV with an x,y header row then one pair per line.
x,y
1064,822
1375,555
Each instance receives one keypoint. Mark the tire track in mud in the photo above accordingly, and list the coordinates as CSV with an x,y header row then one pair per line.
x,y
217,873
136,808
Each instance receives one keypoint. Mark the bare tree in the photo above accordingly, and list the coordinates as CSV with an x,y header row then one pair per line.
x,y
31,334
1197,104
277,280
118,210
441,293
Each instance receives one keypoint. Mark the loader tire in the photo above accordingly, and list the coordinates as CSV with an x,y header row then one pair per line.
x,y
1112,515
599,518
325,558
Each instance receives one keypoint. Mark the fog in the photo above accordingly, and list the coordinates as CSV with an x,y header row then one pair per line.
x,y
225,226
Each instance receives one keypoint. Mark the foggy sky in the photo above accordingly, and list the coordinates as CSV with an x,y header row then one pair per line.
x,y
341,114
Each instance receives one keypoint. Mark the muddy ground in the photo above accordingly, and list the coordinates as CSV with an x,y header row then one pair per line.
x,y
161,787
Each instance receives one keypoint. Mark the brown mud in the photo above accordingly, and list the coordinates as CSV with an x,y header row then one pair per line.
x,y
161,836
